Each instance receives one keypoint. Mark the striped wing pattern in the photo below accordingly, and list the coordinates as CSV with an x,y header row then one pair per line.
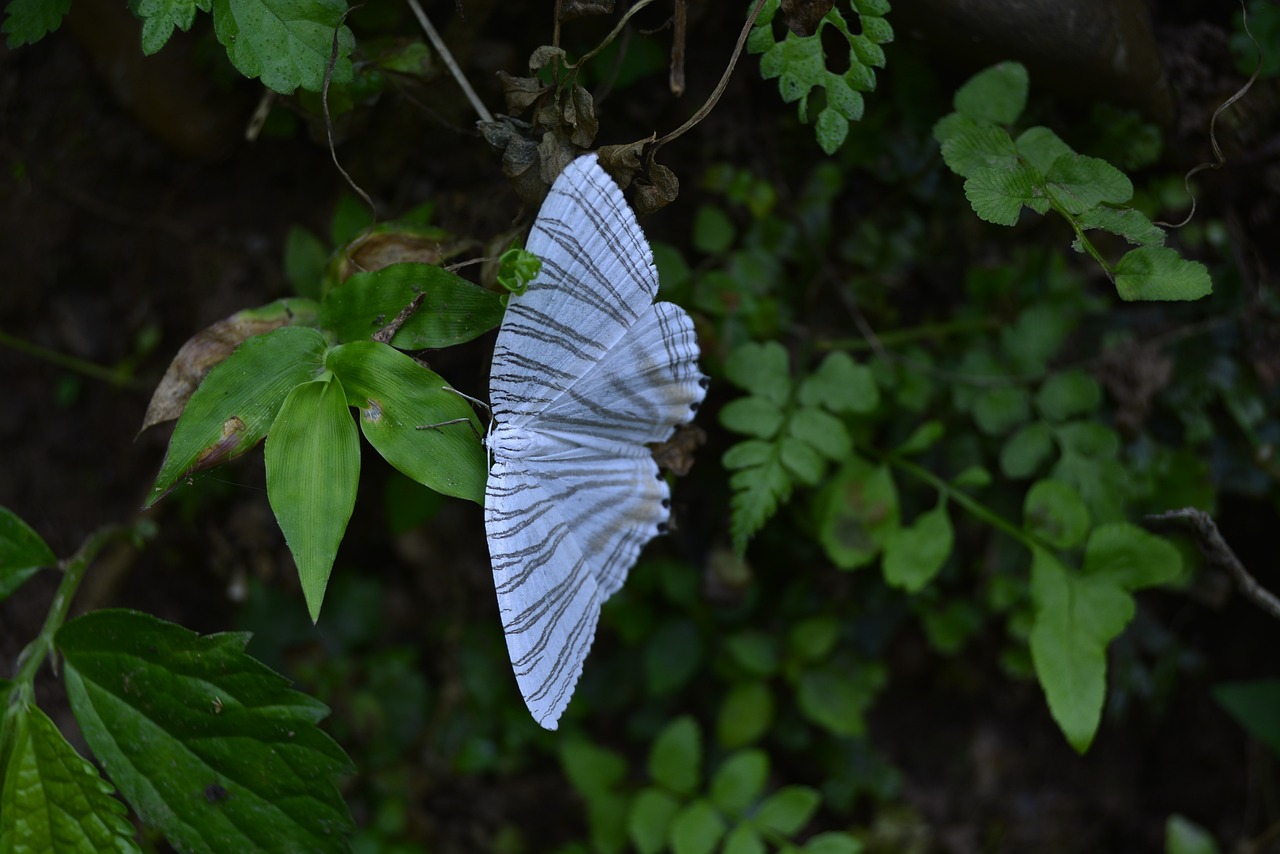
x,y
587,371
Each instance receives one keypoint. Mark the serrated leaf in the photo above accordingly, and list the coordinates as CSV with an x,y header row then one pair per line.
x,y
52,799
802,462
313,469
757,491
1078,183
1131,557
857,511
841,385
22,553
1128,223
762,369
286,43
1158,273
28,21
1026,450
977,146
914,554
789,809
697,829
997,95
650,819
205,743
1055,513
745,715
1069,394
1076,617
675,758
396,396
238,400
739,780
831,129
1041,147
452,309
997,195
822,431
752,416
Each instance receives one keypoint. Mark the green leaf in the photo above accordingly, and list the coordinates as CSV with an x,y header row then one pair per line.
x,y
696,829
1253,704
651,814
675,758
1041,147
1158,273
313,469
396,396
672,656
1026,450
916,553
802,462
837,699
841,385
27,21
590,768
739,780
761,369
286,43
51,798
305,257
159,17
22,553
745,715
752,416
238,401
832,842
997,195
1128,223
832,127
1055,513
997,411
822,431
922,439
1079,183
452,309
1182,836
204,742
997,95
1069,394
759,485
813,638
517,268
1131,557
789,809
1076,617
972,146
857,511
713,231
755,651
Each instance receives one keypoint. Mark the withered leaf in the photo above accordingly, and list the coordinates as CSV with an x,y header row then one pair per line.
x,y
676,455
570,9
520,92
803,16
656,190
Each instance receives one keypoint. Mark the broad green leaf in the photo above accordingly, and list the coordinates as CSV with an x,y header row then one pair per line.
x,y
22,553
1159,273
396,396
713,231
1076,617
27,21
650,819
978,146
813,638
1041,147
761,369
832,842
1130,224
1078,183
675,758
997,195
286,43
672,656
745,715
238,400
836,697
755,651
997,411
591,768
997,95
752,415
607,822
841,385
822,431
739,781
1253,704
305,257
916,553
1026,450
205,743
313,469
1131,557
52,799
1182,836
696,829
803,463
788,809
857,511
744,839
452,309
1069,394
922,439
1055,513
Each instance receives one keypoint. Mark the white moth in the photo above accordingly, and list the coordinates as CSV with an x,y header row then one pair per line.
x,y
587,371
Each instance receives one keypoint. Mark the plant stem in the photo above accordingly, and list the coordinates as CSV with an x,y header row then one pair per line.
x,y
443,50
917,333
981,511
62,360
